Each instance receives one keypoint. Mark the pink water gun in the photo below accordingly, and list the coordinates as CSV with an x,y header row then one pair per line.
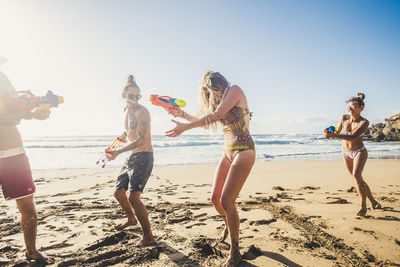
x,y
105,158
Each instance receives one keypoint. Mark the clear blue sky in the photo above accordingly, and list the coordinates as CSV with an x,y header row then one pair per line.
x,y
297,61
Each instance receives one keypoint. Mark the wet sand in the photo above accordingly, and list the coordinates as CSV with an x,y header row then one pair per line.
x,y
292,213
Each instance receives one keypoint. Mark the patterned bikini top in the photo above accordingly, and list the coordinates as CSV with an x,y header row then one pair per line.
x,y
233,123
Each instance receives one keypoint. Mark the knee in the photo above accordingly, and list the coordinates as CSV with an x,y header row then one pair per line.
x,y
29,214
358,178
216,200
27,209
134,198
227,202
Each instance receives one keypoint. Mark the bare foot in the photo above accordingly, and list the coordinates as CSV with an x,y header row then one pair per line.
x,y
128,223
38,257
376,205
233,260
146,242
362,212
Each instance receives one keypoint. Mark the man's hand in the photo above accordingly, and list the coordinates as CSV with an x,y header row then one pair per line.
x,y
41,114
112,154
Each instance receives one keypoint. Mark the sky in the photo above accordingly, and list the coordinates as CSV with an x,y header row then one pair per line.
x,y
297,61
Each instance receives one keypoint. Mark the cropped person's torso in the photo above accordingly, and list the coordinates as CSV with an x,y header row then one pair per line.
x,y
9,134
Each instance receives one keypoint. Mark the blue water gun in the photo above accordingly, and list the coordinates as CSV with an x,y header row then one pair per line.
x,y
330,129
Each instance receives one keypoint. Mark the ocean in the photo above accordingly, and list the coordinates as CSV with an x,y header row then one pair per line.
x,y
64,152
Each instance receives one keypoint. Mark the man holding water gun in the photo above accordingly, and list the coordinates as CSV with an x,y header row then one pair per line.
x,y
15,173
138,166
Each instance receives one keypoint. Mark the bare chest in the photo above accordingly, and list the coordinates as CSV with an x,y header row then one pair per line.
x,y
131,121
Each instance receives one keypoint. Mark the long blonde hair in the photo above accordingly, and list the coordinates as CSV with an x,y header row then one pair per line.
x,y
211,82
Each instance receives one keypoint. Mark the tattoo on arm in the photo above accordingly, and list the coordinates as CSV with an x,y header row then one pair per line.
x,y
143,126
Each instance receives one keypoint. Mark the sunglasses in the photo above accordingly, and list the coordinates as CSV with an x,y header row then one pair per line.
x,y
133,96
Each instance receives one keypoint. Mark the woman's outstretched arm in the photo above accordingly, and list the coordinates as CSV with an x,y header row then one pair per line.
x,y
230,100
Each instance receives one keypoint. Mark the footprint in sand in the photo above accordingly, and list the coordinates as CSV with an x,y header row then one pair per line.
x,y
196,224
339,201
63,229
179,220
262,222
200,215
216,218
279,188
351,189
252,253
308,187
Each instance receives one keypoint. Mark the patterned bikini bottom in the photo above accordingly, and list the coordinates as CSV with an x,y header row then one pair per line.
x,y
353,154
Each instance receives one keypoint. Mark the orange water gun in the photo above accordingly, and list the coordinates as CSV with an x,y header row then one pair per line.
x,y
168,103
27,101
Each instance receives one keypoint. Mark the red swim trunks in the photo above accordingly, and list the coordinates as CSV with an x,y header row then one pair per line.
x,y
16,177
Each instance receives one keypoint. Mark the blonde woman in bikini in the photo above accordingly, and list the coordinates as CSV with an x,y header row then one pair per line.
x,y
355,154
227,105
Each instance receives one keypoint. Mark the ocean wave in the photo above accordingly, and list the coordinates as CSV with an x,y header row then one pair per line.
x,y
301,154
103,145
71,139
63,146
275,142
378,149
185,144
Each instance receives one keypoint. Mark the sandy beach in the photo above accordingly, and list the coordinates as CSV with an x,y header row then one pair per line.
x,y
300,213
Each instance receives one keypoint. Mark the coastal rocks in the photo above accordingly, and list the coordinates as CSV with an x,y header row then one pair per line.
x,y
390,131
374,133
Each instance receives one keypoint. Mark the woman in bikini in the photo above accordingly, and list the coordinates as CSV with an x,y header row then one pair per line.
x,y
355,154
227,105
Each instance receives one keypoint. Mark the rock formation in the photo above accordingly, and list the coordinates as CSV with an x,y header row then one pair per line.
x,y
390,131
